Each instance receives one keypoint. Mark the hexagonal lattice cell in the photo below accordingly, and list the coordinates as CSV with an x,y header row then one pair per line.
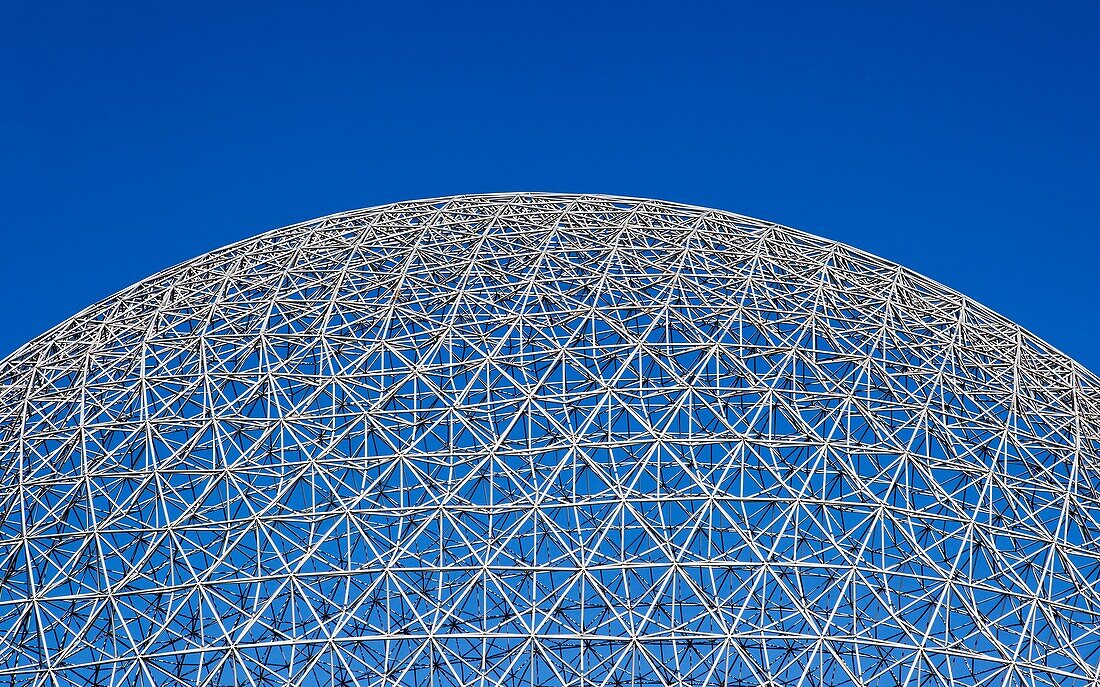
x,y
536,439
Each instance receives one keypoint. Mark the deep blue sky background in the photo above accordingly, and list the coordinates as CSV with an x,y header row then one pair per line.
x,y
962,142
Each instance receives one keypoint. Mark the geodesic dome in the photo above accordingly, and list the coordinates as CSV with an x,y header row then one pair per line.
x,y
555,440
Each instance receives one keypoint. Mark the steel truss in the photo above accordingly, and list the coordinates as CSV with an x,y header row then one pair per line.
x,y
536,439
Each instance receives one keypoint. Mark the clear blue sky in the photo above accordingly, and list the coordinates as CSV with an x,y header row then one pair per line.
x,y
962,142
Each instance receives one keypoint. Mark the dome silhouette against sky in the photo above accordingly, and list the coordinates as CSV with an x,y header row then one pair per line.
x,y
546,439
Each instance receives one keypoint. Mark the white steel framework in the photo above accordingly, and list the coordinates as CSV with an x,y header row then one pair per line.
x,y
534,439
